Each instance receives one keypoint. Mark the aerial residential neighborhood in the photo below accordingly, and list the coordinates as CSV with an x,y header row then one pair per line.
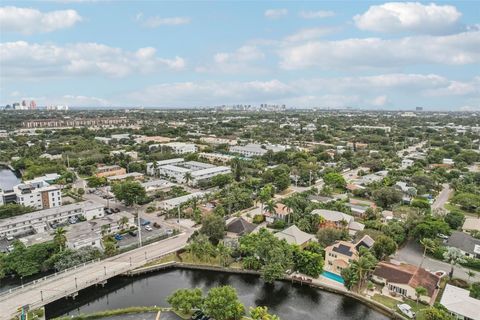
x,y
239,160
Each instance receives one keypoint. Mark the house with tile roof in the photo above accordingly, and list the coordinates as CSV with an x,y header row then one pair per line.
x,y
293,235
339,255
402,279
281,213
468,245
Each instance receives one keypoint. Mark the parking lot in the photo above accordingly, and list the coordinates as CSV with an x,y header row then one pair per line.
x,y
155,232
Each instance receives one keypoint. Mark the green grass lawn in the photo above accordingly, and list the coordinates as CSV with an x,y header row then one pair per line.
x,y
392,303
451,206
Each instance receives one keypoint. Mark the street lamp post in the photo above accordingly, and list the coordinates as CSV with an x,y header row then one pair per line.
x,y
41,295
130,261
76,286
105,270
145,255
139,225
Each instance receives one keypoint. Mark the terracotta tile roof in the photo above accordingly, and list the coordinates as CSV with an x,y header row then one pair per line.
x,y
407,274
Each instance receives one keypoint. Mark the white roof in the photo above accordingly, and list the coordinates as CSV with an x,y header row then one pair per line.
x,y
332,215
471,224
293,235
168,161
458,300
175,168
202,172
179,200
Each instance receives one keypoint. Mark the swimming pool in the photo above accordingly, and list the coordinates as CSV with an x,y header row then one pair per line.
x,y
333,276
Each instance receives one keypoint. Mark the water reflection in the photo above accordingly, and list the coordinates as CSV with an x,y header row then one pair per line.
x,y
289,301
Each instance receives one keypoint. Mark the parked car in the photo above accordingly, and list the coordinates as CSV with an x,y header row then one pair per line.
x,y
196,315
169,232
72,220
406,310
116,210
442,236
148,228
440,273
133,233
144,222
10,238
156,225
118,237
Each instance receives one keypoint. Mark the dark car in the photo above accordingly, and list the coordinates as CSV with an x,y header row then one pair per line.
x,y
116,210
133,233
196,315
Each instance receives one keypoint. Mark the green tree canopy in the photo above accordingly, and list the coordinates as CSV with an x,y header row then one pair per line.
x,y
222,303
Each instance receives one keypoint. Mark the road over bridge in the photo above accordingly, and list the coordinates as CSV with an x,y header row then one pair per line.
x,y
41,292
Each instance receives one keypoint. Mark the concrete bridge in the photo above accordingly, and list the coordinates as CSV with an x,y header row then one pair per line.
x,y
67,284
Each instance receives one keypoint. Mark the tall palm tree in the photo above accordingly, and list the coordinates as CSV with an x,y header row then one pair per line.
x,y
188,177
60,237
270,207
428,245
122,222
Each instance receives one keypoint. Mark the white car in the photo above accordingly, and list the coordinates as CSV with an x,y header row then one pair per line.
x,y
148,228
442,236
406,310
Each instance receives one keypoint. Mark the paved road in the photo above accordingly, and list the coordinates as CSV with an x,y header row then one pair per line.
x,y
70,282
412,253
442,197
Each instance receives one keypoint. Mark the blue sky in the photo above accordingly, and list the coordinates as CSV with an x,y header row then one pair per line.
x,y
375,55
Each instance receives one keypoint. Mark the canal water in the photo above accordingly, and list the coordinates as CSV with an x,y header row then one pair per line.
x,y
287,300
8,179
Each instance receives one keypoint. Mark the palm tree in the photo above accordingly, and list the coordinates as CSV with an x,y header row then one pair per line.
x,y
60,238
420,291
122,222
188,177
453,256
270,207
104,230
428,245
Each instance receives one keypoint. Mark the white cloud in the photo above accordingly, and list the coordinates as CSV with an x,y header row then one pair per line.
x,y
457,49
28,20
393,17
275,13
242,60
310,34
25,60
316,14
156,21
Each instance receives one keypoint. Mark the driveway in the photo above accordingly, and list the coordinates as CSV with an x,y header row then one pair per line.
x,y
442,198
412,253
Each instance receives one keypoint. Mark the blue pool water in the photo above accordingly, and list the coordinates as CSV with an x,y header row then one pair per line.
x,y
333,276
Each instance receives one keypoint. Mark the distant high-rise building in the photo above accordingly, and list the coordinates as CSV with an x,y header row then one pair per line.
x,y
33,105
24,103
419,108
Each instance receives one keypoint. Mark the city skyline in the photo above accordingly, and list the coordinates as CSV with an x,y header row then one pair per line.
x,y
369,55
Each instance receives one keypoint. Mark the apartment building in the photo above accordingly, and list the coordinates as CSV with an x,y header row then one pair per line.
x,y
218,141
256,150
181,147
89,233
216,157
208,173
108,171
174,173
137,176
35,193
41,221
151,166
175,202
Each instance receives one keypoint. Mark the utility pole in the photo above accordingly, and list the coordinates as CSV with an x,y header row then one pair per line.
x,y
139,225
178,218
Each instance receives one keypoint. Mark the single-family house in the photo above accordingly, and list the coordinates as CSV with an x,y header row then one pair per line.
x,y
402,279
293,235
337,219
281,212
459,303
238,227
471,224
467,244
339,255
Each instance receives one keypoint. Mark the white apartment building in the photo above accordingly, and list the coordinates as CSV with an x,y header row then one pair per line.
x,y
216,157
151,167
217,141
89,233
174,173
175,202
39,221
208,173
181,147
35,193
196,165
256,150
